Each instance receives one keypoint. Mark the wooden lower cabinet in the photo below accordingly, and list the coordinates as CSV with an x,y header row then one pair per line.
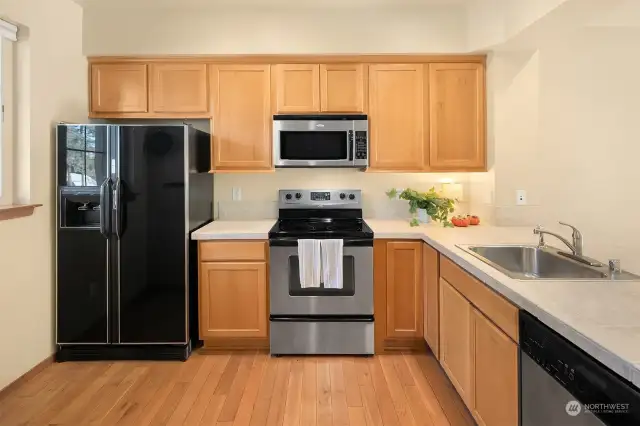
x,y
233,300
455,339
494,374
431,293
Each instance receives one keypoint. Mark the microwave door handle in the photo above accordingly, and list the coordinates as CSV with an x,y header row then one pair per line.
x,y
352,145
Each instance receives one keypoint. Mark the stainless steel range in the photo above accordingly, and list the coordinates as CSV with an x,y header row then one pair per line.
x,y
321,320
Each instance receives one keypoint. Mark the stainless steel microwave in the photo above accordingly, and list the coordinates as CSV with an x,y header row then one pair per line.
x,y
321,141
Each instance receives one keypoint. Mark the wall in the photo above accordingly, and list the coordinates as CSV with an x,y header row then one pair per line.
x,y
115,31
260,191
56,90
566,128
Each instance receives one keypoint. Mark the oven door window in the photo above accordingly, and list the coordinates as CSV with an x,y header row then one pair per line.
x,y
300,145
348,280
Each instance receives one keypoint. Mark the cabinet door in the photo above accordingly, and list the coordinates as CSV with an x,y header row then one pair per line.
x,y
404,289
455,339
233,299
396,117
430,275
297,87
494,374
179,88
241,126
119,88
342,88
457,117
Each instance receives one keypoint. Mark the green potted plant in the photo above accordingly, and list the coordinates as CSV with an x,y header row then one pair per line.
x,y
426,205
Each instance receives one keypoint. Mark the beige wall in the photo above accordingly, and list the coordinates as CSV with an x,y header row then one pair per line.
x,y
260,191
566,126
114,31
56,90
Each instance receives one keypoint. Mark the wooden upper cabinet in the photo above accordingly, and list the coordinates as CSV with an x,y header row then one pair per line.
x,y
396,117
233,299
119,88
431,289
297,87
241,125
179,88
494,374
457,117
455,339
342,88
404,289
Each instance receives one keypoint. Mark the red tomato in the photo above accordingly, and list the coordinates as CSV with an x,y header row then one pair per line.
x,y
474,220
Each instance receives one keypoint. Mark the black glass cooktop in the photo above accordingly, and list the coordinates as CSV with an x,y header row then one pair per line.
x,y
321,228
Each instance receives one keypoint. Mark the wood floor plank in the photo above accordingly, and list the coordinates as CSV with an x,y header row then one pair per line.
x,y
140,399
323,409
339,411
249,389
387,409
396,390
294,394
370,403
232,402
76,408
449,400
351,383
428,397
420,412
362,371
357,416
186,403
206,392
278,400
111,395
250,392
309,389
402,369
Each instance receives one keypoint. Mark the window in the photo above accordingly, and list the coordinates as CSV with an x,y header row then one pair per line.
x,y
8,35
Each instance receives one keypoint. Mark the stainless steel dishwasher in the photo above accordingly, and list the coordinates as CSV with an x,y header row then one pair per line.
x,y
560,385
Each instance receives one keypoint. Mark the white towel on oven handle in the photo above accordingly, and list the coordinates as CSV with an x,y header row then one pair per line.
x,y
310,263
332,263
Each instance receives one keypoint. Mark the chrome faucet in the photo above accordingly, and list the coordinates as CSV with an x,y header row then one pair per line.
x,y
575,247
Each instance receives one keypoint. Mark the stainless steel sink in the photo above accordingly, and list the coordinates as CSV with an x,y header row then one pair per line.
x,y
525,262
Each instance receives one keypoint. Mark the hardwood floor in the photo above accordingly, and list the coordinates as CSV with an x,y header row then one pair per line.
x,y
250,389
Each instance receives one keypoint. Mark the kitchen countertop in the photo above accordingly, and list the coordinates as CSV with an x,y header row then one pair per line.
x,y
235,230
600,317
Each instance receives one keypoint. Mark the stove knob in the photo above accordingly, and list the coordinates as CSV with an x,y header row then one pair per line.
x,y
352,197
343,196
288,196
298,196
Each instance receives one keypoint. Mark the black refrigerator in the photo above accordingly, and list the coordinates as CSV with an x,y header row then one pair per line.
x,y
128,198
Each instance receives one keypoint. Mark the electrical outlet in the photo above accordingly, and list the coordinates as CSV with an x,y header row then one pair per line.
x,y
236,194
521,197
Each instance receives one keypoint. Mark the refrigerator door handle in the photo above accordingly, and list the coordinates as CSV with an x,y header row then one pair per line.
x,y
117,207
104,209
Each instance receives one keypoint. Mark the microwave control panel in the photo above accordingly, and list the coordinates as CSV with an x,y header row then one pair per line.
x,y
361,145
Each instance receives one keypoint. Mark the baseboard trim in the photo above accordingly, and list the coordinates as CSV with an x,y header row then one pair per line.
x,y
4,392
234,344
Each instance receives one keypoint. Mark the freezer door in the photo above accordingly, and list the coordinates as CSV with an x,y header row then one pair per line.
x,y
82,291
150,234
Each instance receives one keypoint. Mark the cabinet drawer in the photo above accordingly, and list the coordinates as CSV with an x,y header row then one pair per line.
x,y
491,304
211,251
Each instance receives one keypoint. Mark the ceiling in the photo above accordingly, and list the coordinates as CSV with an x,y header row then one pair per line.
x,y
267,3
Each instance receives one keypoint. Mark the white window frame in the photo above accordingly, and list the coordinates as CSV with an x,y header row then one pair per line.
x,y
8,35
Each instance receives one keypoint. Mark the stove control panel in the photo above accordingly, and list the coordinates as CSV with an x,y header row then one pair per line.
x,y
320,198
